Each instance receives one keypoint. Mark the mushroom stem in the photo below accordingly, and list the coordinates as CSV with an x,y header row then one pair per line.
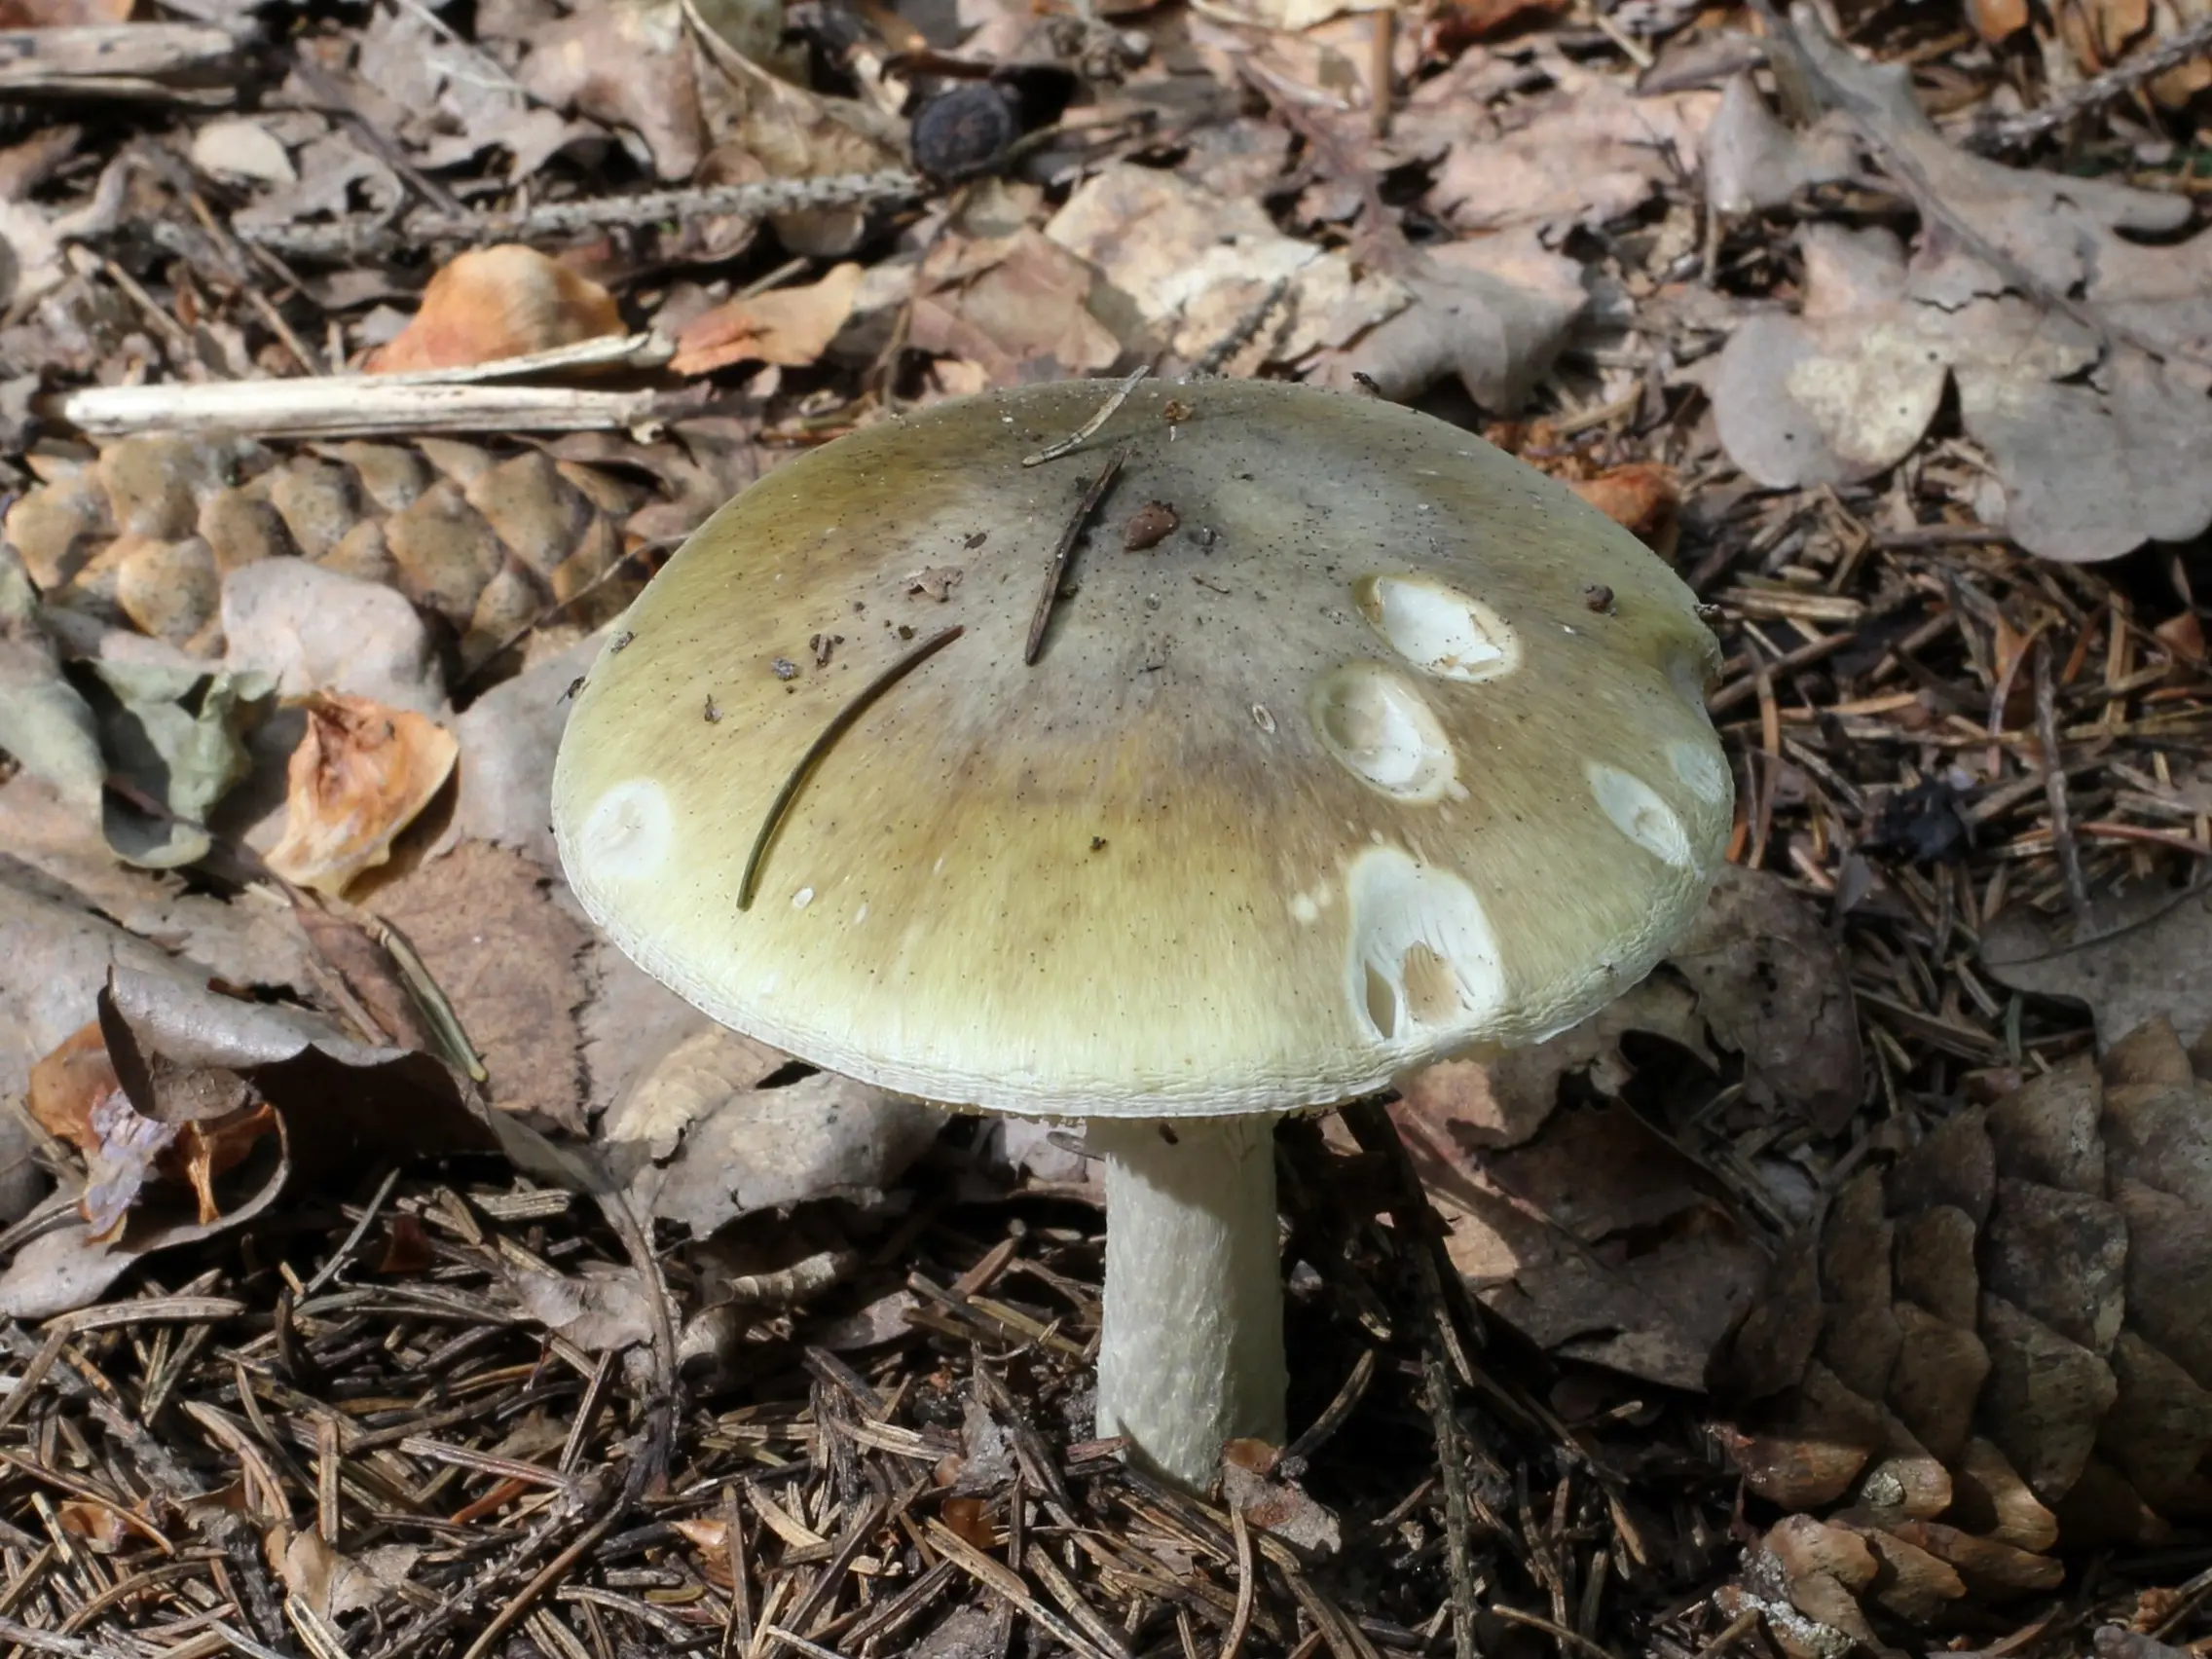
x,y
1191,1350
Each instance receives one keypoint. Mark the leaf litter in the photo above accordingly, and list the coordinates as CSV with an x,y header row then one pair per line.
x,y
521,1310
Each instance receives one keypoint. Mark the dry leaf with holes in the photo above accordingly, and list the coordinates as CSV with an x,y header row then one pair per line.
x,y
790,326
498,302
362,774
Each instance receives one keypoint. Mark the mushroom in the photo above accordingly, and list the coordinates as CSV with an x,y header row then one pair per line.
x,y
1340,775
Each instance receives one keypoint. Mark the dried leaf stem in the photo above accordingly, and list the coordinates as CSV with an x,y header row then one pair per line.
x,y
839,723
1057,571
1076,440
360,237
2177,49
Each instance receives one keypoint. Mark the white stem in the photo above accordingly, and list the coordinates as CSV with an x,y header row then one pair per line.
x,y
1191,1352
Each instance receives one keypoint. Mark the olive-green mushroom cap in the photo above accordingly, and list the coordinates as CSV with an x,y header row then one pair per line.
x,y
1391,747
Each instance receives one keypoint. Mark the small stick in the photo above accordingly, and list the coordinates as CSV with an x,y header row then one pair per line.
x,y
839,722
1069,445
1061,554
1382,45
1248,1585
2122,78
2054,784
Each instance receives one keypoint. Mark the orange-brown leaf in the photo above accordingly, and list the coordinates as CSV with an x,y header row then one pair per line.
x,y
1641,497
360,775
498,302
209,1149
69,1083
790,326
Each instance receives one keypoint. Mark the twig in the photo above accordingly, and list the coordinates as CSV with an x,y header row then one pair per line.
x,y
760,200
1240,332
2054,785
340,1256
839,723
1247,1583
182,62
1058,570
1069,445
2120,80
333,406
1559,1633
523,1600
1332,1419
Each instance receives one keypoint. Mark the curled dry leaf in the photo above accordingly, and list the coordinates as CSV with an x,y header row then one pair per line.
x,y
362,774
498,302
702,1140
608,1309
69,1081
190,1058
790,326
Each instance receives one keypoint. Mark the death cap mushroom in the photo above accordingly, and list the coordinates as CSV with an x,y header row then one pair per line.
x,y
1342,772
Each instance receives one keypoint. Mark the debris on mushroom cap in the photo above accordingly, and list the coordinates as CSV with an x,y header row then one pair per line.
x,y
1103,884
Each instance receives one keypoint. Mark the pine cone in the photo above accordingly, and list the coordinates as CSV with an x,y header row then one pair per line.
x,y
146,532
1999,1346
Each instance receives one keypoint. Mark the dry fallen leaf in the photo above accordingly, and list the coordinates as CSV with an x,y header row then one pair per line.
x,y
1490,311
1587,152
484,925
1015,304
1773,984
1599,1239
2141,956
701,1140
2004,298
312,629
599,1311
68,1082
626,62
489,303
188,1055
61,14
242,149
790,326
362,774
1204,266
